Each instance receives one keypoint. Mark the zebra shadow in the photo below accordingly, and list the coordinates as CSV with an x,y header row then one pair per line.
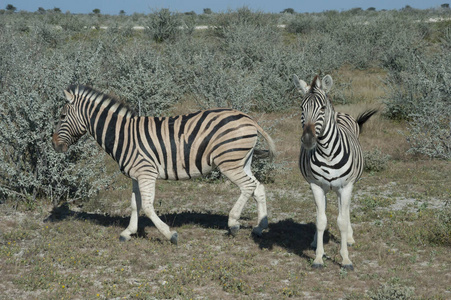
x,y
292,236
63,212
288,234
203,219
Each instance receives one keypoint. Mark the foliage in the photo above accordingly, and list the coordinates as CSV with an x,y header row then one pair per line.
x,y
163,25
391,291
31,87
11,8
432,227
141,77
375,160
420,92
245,61
241,16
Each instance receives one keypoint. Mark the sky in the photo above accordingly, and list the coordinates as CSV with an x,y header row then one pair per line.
x,y
113,7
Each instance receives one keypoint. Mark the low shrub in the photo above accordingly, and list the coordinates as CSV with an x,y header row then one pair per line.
x,y
163,25
420,92
375,160
391,291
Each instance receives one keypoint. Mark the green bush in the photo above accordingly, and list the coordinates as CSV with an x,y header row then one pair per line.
x,y
391,291
31,93
245,62
375,161
143,80
163,25
420,92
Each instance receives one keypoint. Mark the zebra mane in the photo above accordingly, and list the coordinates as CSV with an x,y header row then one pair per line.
x,y
313,85
84,90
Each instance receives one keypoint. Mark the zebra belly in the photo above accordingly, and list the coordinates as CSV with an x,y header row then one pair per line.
x,y
330,185
182,174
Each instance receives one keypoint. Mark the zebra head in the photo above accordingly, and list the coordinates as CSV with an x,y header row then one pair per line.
x,y
70,125
316,108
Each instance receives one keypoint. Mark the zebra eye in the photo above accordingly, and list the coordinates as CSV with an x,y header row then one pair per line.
x,y
323,107
63,116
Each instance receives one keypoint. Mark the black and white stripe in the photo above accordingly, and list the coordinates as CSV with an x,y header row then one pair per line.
x,y
178,147
331,157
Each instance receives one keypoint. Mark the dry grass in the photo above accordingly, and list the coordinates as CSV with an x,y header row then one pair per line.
x,y
399,217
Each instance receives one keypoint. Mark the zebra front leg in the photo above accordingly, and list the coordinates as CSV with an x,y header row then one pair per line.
x,y
344,199
260,198
321,223
315,238
350,240
147,188
136,206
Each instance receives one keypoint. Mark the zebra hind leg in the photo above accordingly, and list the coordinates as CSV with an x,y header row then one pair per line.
x,y
247,186
135,206
260,198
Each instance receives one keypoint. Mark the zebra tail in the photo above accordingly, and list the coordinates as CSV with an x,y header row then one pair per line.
x,y
363,117
271,153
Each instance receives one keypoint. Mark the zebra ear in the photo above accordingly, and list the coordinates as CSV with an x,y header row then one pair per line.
x,y
327,83
301,85
69,96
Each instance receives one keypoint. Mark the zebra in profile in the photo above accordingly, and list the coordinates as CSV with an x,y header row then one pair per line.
x,y
173,148
330,159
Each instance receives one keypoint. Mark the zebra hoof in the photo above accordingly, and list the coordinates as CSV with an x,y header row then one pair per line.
x,y
233,231
317,266
348,267
174,238
124,239
257,231
263,224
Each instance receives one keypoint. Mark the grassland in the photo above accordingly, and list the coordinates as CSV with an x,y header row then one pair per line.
x,y
61,215
400,215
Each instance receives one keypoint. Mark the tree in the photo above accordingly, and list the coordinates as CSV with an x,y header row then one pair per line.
x,y
355,10
41,10
445,5
11,8
96,11
288,11
163,25
207,11
122,13
56,9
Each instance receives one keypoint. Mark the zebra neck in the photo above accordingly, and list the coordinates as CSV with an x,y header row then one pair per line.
x,y
108,124
331,138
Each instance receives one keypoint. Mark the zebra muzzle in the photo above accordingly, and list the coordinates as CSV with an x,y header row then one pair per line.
x,y
308,138
59,146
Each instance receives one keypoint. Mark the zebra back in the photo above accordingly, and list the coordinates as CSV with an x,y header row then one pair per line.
x,y
176,147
